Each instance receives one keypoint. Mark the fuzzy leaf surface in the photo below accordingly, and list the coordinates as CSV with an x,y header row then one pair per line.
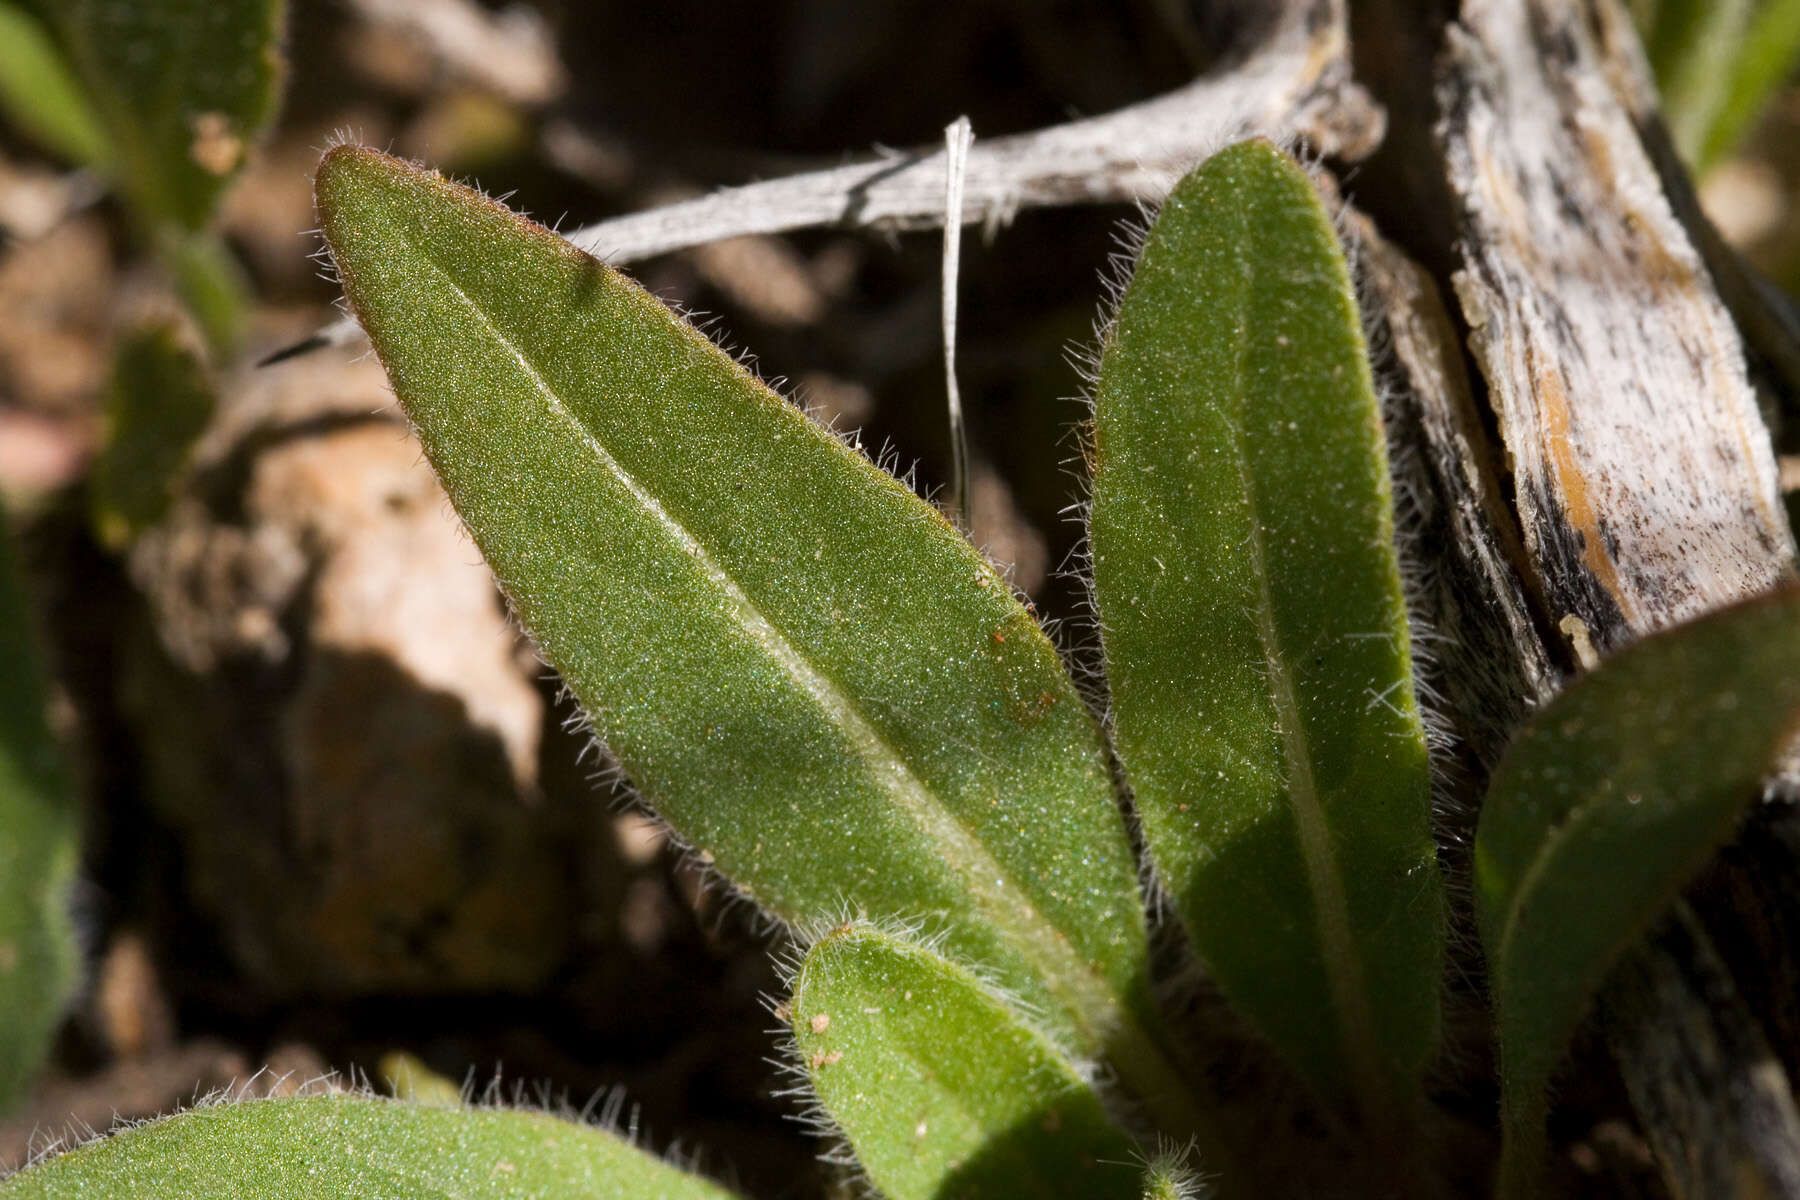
x,y
183,87
1255,631
1609,801
38,842
939,1086
357,1148
1165,1181
800,664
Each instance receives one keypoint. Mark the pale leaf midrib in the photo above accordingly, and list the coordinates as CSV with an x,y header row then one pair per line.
x,y
1576,821
1546,853
1343,964
1097,1010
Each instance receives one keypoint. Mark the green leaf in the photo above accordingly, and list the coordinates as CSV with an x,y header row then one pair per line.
x,y
1764,59
357,1148
157,401
1692,50
408,1078
40,94
39,956
211,282
183,86
1718,63
1255,632
1612,798
801,665
1669,29
939,1086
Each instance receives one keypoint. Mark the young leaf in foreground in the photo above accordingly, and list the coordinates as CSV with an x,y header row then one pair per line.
x,y
357,1148
1168,1178
1614,795
38,829
1255,630
799,663
940,1088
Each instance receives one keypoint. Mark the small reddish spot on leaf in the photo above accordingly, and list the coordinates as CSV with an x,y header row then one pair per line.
x,y
1030,712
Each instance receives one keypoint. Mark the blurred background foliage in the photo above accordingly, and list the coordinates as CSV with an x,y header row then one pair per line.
x,y
1726,69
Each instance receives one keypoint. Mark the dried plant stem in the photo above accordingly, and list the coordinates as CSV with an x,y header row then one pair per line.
x,y
1295,86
